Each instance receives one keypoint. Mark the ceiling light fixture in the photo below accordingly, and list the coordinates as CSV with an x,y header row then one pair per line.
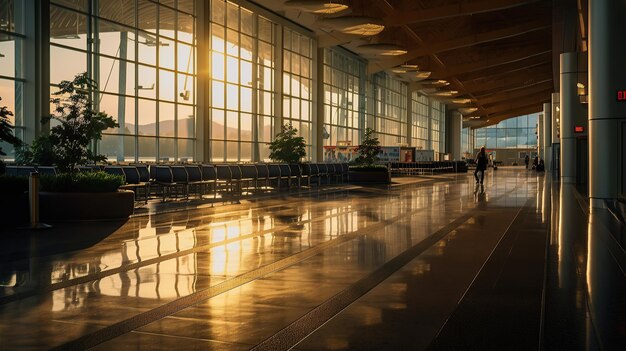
x,y
320,7
381,49
361,26
405,69
461,101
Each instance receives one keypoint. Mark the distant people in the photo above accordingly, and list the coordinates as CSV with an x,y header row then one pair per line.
x,y
535,162
491,161
526,161
481,165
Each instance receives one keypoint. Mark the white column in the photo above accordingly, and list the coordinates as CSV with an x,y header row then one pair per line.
x,y
546,139
607,116
539,131
455,119
571,113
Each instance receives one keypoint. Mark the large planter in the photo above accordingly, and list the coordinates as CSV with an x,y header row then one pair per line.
x,y
14,208
86,206
369,177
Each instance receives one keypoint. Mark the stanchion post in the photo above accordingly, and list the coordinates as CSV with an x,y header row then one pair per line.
x,y
33,199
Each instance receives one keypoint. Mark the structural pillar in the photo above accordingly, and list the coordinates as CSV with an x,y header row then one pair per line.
x,y
607,113
539,131
546,139
454,123
571,113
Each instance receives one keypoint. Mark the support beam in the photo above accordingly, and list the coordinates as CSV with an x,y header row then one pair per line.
x,y
501,108
510,82
495,119
537,61
518,93
451,11
468,40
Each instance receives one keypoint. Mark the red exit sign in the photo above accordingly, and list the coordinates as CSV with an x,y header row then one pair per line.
x,y
621,95
579,129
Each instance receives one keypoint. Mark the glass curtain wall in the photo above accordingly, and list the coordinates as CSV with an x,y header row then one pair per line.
x,y
11,68
341,98
390,118
298,84
419,121
242,79
438,126
513,133
142,54
467,143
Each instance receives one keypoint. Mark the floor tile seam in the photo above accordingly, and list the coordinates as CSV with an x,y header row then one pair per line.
x,y
85,279
189,338
472,282
297,331
144,318
139,320
291,335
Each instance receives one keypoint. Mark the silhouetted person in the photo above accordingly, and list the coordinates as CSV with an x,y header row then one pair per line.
x,y
481,165
526,160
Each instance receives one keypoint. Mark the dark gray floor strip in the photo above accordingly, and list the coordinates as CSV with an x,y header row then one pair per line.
x,y
291,335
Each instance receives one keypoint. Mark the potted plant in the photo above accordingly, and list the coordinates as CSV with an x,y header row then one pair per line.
x,y
287,147
72,195
364,169
6,133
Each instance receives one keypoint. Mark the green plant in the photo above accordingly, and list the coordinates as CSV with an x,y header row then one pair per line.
x,y
80,123
41,152
287,147
6,129
92,182
369,149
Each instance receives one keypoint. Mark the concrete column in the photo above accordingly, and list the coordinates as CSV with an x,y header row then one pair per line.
x,y
454,122
546,139
539,132
607,116
571,114
318,114
202,150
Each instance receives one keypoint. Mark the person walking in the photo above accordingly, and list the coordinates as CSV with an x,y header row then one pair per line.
x,y
526,160
481,165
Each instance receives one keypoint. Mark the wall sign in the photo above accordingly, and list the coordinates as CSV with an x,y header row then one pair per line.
x,y
579,129
621,95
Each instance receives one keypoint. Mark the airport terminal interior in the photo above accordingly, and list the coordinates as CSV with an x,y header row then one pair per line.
x,y
312,174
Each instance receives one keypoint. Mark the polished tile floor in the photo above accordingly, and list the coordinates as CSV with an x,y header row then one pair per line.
x,y
430,263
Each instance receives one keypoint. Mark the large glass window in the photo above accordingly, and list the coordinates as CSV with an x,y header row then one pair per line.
x,y
242,81
298,84
438,126
341,98
513,133
390,115
11,66
420,116
142,54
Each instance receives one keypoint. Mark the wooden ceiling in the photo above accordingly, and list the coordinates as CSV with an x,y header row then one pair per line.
x,y
498,53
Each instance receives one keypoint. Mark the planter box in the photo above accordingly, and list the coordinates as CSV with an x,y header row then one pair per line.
x,y
86,206
369,177
15,208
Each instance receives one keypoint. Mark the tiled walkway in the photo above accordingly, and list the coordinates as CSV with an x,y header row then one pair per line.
x,y
432,264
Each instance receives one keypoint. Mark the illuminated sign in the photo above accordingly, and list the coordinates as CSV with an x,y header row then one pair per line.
x,y
579,129
621,95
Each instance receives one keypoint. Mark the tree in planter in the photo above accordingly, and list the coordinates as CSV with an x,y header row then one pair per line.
x,y
6,129
368,150
80,123
287,147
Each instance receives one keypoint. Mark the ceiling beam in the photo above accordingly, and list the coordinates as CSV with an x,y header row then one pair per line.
x,y
467,8
512,104
528,62
518,80
516,94
465,41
